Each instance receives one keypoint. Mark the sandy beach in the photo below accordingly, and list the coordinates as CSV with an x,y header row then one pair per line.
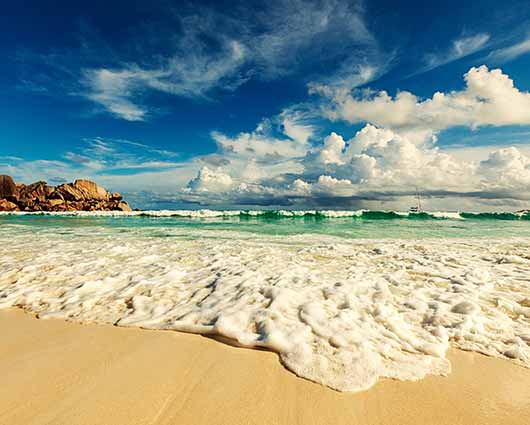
x,y
56,372
287,212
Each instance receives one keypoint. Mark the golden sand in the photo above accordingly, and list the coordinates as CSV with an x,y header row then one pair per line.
x,y
54,372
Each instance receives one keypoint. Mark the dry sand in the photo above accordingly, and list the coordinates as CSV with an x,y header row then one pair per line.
x,y
53,372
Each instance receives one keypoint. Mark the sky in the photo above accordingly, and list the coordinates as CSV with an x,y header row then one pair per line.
x,y
280,104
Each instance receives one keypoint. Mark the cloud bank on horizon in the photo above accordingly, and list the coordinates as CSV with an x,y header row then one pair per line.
x,y
391,156
357,139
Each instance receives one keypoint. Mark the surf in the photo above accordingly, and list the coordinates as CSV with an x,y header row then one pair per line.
x,y
293,214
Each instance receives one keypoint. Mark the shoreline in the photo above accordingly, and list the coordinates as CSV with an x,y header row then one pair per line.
x,y
67,373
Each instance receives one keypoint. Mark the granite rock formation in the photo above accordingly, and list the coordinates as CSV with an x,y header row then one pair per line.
x,y
81,195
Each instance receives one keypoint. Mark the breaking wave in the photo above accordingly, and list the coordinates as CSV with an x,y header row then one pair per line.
x,y
283,214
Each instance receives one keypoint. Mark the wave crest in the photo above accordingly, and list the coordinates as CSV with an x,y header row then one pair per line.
x,y
283,214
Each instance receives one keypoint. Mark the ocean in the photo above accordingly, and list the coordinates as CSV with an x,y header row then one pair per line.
x,y
344,297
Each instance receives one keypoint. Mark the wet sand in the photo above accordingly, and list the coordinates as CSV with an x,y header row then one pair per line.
x,y
54,372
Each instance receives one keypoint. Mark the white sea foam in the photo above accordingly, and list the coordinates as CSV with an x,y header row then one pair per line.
x,y
206,213
446,214
340,312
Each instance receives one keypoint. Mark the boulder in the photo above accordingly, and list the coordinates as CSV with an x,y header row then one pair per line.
x,y
6,205
56,194
8,188
91,190
55,204
73,206
49,190
115,196
68,193
34,193
123,206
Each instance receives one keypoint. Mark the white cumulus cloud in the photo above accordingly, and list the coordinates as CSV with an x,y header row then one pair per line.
x,y
377,164
507,169
489,98
210,181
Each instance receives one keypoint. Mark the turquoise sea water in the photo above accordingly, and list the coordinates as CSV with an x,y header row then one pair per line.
x,y
356,225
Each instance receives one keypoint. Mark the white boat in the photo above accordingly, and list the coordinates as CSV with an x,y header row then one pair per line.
x,y
416,208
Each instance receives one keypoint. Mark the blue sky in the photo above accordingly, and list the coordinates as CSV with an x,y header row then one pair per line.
x,y
288,103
